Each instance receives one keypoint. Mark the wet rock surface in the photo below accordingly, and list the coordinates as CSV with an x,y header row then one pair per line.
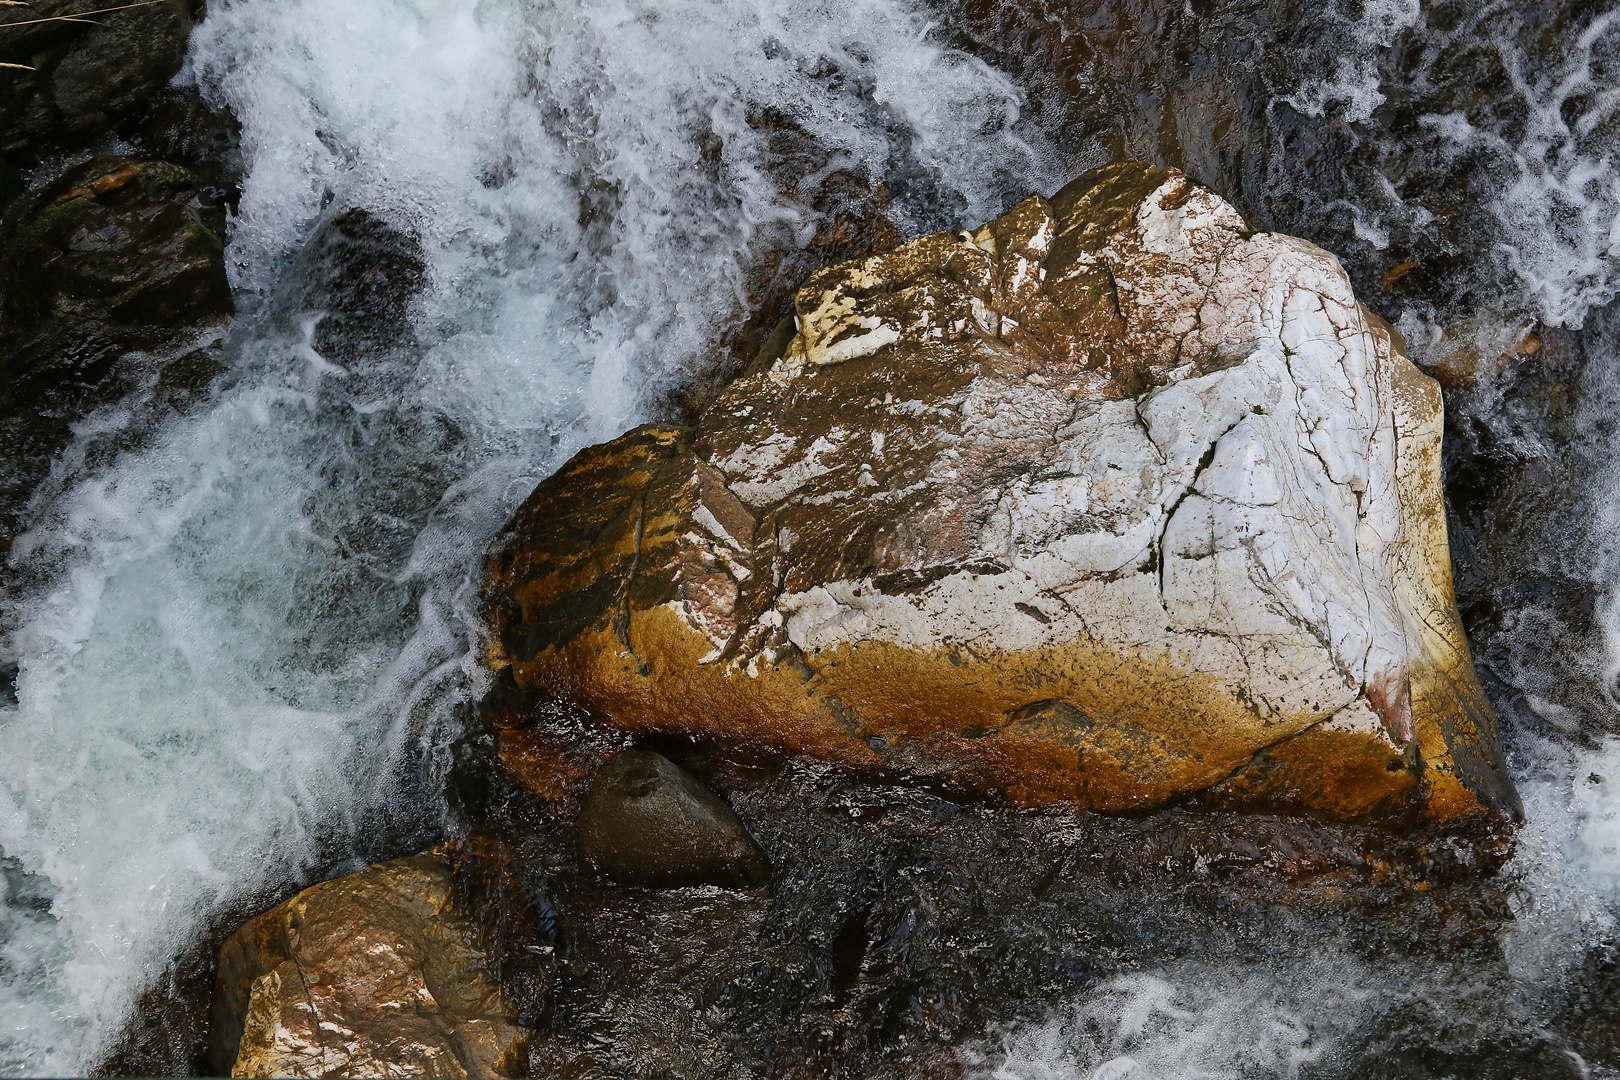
x,y
395,970
1520,463
111,265
903,928
113,282
646,821
116,239
76,79
1109,502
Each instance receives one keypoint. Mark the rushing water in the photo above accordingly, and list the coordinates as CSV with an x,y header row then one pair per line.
x,y
247,633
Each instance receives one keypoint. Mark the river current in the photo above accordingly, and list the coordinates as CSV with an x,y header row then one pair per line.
x,y
246,639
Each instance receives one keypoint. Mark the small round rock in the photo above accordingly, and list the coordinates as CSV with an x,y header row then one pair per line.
x,y
646,821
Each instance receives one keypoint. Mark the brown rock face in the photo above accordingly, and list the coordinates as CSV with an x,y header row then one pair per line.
x,y
380,973
1107,503
647,821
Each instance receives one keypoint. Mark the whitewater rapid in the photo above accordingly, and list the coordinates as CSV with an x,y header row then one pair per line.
x,y
241,661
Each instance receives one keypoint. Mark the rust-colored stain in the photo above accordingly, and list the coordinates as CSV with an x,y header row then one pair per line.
x,y
1396,272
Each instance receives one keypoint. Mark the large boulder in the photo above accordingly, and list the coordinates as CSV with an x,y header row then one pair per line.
x,y
1109,502
391,971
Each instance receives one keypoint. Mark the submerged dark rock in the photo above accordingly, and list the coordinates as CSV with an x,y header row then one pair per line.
x,y
646,821
903,927
365,272
51,375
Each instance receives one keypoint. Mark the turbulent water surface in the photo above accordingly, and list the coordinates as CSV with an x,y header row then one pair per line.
x,y
245,639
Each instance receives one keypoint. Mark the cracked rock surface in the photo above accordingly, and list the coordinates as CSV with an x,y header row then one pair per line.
x,y
1109,502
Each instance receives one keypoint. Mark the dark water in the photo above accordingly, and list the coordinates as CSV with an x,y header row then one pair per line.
x,y
471,239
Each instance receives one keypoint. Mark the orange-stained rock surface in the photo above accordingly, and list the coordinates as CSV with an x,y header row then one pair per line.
x,y
1109,502
380,973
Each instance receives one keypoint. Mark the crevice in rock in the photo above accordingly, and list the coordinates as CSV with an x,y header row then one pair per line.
x,y
1113,295
309,999
1203,463
848,954
1308,447
621,617
1198,309
1147,431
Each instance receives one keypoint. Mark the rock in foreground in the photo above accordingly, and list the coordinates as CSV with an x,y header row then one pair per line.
x,y
1109,502
381,973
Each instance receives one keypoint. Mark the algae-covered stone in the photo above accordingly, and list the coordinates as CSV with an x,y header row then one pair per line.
x,y
1108,502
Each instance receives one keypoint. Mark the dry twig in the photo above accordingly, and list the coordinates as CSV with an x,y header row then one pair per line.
x,y
78,16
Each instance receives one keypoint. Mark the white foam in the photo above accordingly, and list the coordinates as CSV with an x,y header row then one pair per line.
x,y
1240,1017
1200,1025
1542,152
212,697
1353,92
1558,189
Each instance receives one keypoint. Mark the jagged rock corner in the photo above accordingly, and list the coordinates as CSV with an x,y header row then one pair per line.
x,y
1109,503
391,971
